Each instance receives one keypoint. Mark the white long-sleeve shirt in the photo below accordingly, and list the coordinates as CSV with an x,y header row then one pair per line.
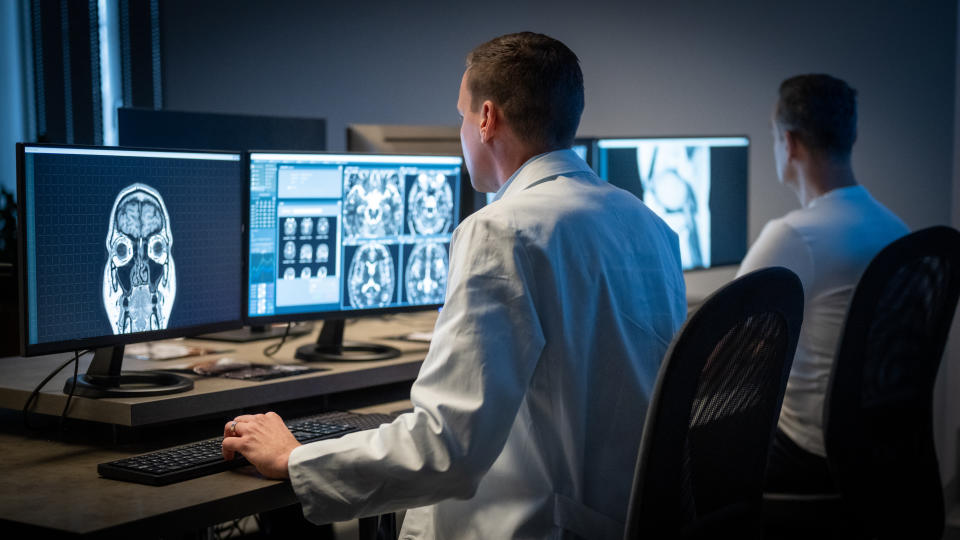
x,y
828,244
562,297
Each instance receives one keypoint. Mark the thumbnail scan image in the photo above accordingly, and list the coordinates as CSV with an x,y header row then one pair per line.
x,y
676,185
370,279
430,204
139,278
373,206
426,275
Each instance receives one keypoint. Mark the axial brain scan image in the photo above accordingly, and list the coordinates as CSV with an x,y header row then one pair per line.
x,y
430,204
306,226
426,276
289,250
370,280
139,278
373,205
289,226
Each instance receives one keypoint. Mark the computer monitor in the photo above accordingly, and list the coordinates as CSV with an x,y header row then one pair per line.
x,y
341,235
218,131
698,185
152,128
121,246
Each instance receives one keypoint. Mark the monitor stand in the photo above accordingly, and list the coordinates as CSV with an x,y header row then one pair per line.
x,y
258,332
330,347
104,379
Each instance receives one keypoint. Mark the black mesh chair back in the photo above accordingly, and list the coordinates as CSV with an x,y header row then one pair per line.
x,y
878,414
711,419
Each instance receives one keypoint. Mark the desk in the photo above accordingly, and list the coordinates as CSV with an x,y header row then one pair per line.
x,y
213,395
51,486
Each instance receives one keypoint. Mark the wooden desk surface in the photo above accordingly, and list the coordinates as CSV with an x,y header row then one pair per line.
x,y
52,487
212,395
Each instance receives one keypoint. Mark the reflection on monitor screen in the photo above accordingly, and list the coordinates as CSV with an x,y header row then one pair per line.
x,y
698,186
333,233
128,245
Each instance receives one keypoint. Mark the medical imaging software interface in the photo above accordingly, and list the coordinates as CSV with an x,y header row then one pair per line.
x,y
127,241
340,232
698,186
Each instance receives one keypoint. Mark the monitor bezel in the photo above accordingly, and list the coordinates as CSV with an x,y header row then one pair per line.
x,y
37,349
324,315
594,154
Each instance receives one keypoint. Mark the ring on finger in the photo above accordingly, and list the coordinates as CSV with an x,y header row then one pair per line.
x,y
233,427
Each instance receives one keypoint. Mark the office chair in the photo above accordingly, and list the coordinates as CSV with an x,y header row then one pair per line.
x,y
878,413
711,418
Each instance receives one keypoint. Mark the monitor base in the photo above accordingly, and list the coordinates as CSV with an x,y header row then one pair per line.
x,y
347,352
128,384
330,347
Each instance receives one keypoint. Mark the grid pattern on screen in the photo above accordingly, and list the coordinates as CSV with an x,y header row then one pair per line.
x,y
74,196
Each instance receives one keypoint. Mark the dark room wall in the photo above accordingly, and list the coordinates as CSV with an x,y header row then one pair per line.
x,y
651,68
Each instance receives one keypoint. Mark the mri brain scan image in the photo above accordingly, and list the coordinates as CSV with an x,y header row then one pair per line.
x,y
306,253
289,273
323,253
289,226
370,280
426,275
430,204
306,272
323,226
289,250
306,226
139,278
372,205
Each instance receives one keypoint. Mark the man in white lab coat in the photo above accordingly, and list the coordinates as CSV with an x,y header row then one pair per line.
x,y
562,297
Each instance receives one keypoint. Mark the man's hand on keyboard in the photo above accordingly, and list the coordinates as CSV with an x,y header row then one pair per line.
x,y
263,439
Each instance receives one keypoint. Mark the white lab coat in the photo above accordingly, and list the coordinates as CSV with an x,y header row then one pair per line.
x,y
562,297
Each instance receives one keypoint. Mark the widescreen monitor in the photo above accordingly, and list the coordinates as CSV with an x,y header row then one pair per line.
x,y
339,235
698,185
121,246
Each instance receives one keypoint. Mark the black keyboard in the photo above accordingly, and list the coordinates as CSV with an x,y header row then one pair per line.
x,y
205,457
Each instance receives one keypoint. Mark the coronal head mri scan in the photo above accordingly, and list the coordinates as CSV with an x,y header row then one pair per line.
x,y
373,206
370,280
430,204
676,185
426,275
139,278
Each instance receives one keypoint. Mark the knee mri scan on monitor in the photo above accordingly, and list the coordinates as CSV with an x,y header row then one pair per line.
x,y
697,185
